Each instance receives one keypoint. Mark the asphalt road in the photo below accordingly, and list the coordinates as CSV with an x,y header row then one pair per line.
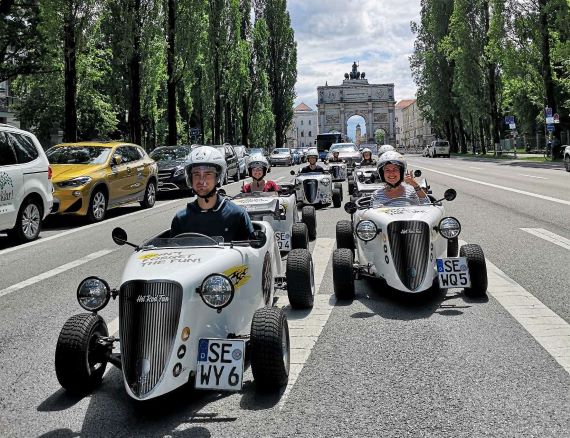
x,y
445,365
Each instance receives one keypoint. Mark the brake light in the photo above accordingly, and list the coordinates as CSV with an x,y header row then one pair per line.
x,y
49,172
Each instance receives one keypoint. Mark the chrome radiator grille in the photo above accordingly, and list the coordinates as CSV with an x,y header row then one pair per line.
x,y
149,313
409,243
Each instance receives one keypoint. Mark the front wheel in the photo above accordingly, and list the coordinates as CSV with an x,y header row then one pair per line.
x,y
28,223
299,236
300,279
270,348
149,195
344,235
97,206
80,361
336,198
309,217
477,270
343,278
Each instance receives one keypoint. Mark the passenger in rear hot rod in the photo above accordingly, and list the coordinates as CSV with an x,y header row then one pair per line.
x,y
210,214
257,170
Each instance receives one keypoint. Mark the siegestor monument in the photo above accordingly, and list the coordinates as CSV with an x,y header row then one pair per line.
x,y
355,96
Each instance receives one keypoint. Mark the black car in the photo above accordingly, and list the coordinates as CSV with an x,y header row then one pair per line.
x,y
171,161
232,162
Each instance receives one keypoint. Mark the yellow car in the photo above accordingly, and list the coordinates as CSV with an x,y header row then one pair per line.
x,y
91,177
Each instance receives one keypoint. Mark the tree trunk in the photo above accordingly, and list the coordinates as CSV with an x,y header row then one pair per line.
x,y
171,81
228,123
245,121
462,143
481,136
492,84
135,79
70,75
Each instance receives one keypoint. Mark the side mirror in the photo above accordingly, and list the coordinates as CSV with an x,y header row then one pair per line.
x,y
117,159
119,236
450,195
417,173
350,207
259,239
222,192
292,172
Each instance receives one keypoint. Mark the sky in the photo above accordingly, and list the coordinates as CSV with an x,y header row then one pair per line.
x,y
332,34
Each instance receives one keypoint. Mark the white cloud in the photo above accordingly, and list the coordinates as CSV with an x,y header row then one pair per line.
x,y
331,34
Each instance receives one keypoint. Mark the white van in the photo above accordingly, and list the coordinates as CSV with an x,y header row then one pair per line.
x,y
439,147
25,184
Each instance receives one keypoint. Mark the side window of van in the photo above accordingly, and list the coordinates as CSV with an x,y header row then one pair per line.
x,y
7,154
23,146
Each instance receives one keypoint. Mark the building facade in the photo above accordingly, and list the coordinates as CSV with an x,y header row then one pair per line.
x,y
416,132
304,128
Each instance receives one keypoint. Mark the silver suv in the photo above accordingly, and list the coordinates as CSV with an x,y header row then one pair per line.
x,y
25,184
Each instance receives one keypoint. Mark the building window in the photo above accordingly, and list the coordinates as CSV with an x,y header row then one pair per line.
x,y
302,133
301,123
310,132
309,123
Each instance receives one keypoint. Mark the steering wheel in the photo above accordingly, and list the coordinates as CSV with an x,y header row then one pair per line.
x,y
195,235
364,202
400,199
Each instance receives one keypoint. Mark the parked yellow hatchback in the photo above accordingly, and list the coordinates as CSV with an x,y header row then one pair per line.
x,y
91,177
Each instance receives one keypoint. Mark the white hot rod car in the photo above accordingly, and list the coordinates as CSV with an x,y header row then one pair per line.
x,y
337,169
412,248
317,188
192,309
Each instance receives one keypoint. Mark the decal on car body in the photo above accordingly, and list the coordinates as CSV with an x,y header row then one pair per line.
x,y
155,258
238,275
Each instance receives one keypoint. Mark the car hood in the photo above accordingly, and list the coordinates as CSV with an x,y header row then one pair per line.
x,y
167,165
63,172
431,214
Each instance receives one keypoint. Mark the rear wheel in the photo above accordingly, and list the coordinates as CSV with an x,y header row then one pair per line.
x,y
309,217
344,235
477,270
351,186
269,348
299,236
336,198
149,195
236,176
79,360
29,222
97,206
343,278
300,279
339,187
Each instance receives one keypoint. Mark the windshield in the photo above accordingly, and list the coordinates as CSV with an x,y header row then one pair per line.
x,y
78,154
184,240
343,148
281,151
170,154
255,151
257,195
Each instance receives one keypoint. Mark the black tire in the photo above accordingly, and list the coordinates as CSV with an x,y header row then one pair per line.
x,y
226,179
339,187
477,270
79,364
309,217
28,222
344,235
149,195
236,176
299,236
452,247
270,349
97,206
351,187
343,278
300,279
567,163
336,198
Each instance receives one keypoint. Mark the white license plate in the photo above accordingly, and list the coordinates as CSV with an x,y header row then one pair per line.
x,y
220,364
283,241
453,272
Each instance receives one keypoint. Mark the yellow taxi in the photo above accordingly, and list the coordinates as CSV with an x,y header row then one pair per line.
x,y
91,177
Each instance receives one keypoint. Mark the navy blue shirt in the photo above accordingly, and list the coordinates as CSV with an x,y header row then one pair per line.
x,y
225,219
317,169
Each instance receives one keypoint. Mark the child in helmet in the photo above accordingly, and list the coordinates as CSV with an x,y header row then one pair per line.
x,y
399,183
312,167
257,170
210,214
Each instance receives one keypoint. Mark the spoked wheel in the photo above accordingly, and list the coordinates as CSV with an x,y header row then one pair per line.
x,y
97,206
28,222
299,236
79,360
300,279
149,195
270,348
343,277
309,217
477,270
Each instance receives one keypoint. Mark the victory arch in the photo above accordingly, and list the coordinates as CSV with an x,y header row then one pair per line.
x,y
355,96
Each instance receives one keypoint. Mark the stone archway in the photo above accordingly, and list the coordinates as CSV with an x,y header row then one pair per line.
x,y
352,123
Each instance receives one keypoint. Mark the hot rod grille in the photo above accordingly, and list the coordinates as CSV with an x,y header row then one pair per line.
x,y
310,187
149,312
409,243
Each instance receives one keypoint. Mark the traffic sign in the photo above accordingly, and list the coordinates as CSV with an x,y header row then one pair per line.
x,y
509,120
548,111
195,131
550,120
556,118
550,128
512,126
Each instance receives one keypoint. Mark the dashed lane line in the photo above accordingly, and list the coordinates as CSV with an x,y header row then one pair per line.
x,y
549,236
55,271
532,176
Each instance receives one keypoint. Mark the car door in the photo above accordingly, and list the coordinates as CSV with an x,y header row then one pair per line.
x,y
121,176
11,184
138,171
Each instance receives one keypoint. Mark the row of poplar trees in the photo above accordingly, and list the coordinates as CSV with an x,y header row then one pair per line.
x,y
477,61
151,71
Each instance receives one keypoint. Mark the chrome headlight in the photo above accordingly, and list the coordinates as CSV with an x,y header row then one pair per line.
x,y
75,182
217,291
449,227
178,171
325,181
366,230
93,294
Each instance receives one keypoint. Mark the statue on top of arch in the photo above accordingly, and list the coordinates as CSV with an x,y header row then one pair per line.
x,y
355,74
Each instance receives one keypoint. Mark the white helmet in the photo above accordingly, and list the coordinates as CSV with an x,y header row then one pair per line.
x,y
392,157
385,148
206,156
366,150
313,153
258,161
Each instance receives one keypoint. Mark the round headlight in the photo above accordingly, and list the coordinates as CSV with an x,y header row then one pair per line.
x,y
217,291
449,227
325,181
93,294
366,230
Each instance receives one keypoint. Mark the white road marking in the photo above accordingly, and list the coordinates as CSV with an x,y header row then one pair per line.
x,y
322,252
85,227
508,189
546,327
55,271
532,176
473,167
549,236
